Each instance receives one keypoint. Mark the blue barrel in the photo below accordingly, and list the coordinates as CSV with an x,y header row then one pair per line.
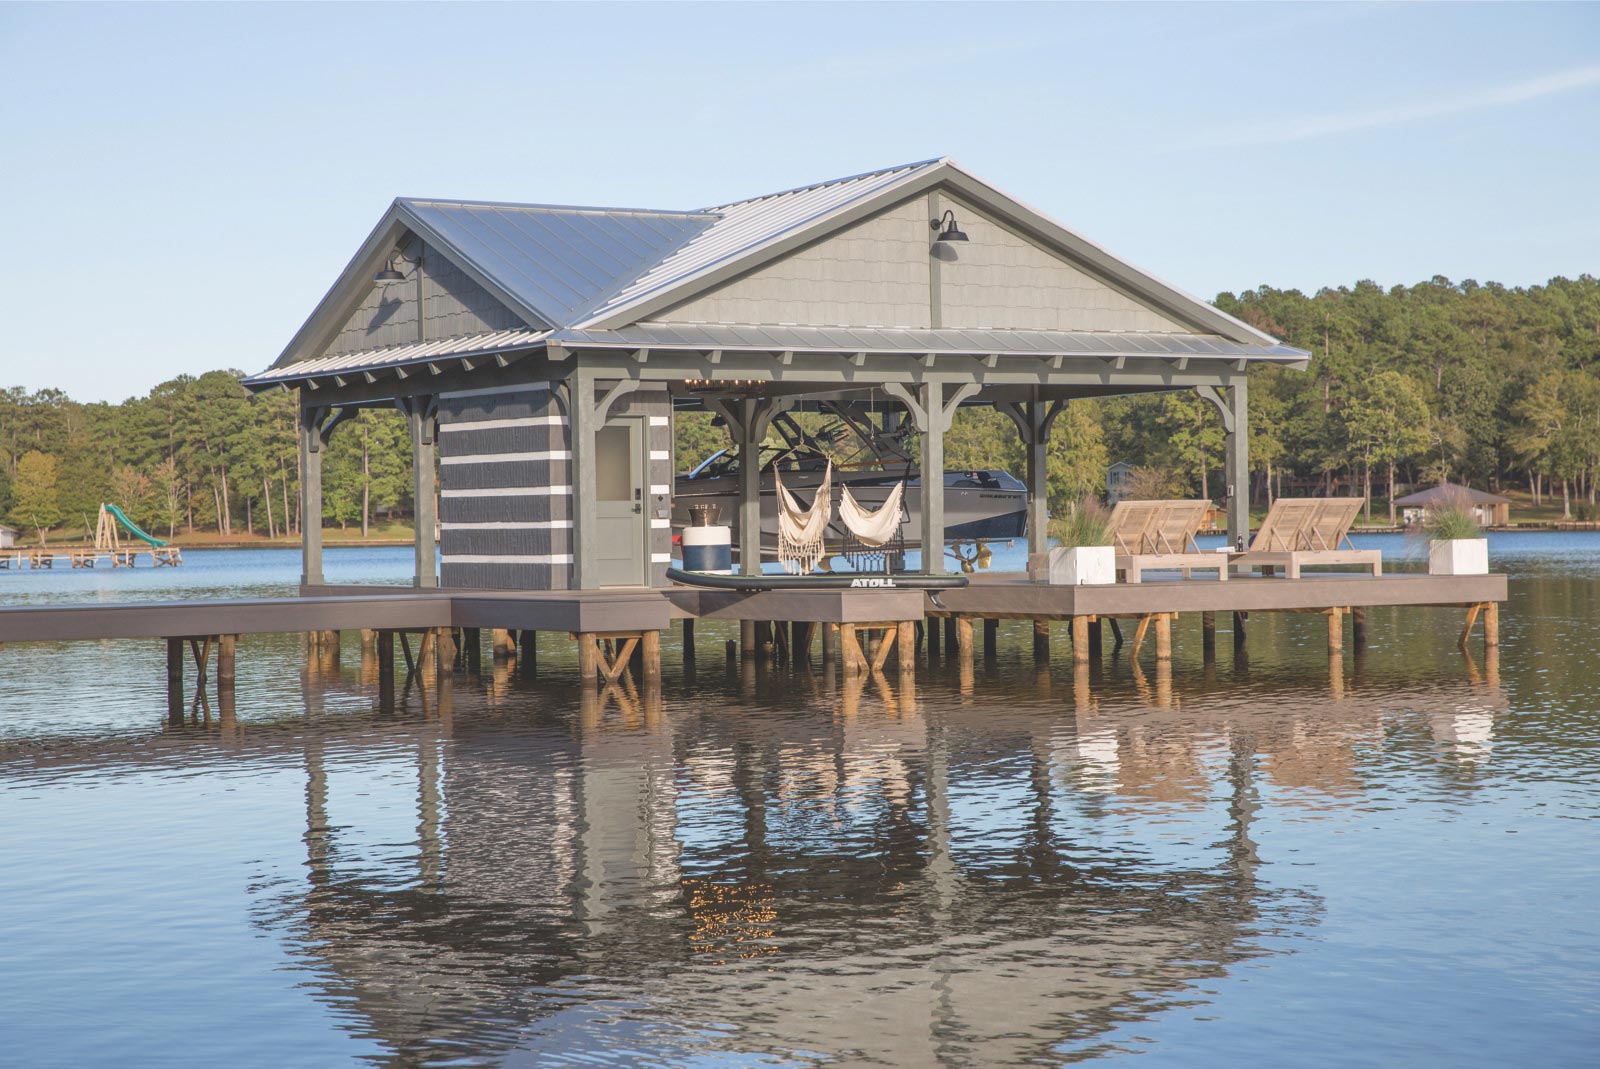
x,y
708,549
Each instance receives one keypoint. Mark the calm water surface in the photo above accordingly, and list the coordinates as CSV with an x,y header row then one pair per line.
x,y
1263,863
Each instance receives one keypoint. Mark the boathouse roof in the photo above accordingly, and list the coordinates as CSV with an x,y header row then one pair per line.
x,y
1438,495
831,267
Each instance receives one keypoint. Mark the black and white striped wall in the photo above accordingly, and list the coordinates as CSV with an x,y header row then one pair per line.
x,y
505,498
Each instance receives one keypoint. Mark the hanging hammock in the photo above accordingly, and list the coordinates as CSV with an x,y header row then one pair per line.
x,y
800,530
872,528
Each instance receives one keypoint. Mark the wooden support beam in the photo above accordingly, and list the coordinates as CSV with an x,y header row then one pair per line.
x,y
1491,625
1472,618
1358,629
528,641
949,635
1208,636
472,649
175,675
991,634
688,641
1139,631
964,640
1080,640
886,646
1096,637
935,630
830,643
1041,641
1240,619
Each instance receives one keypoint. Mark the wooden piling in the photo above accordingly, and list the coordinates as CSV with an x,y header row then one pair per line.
x,y
1335,631
385,641
964,640
1096,638
1041,641
1239,621
1080,640
950,644
529,641
1491,625
1208,636
226,646
991,634
1164,635
906,641
472,648
688,641
651,646
935,630
855,660
588,657
830,643
747,639
175,675
1358,629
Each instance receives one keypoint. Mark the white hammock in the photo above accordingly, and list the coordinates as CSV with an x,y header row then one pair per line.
x,y
800,530
871,528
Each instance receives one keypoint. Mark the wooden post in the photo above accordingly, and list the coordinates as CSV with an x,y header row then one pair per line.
x,y
472,647
1041,641
935,629
175,676
226,645
311,496
854,659
906,641
747,639
949,635
688,641
1491,625
1096,633
386,667
1239,621
501,644
1358,629
369,638
964,640
764,648
1335,631
588,657
1164,636
1080,640
1472,617
651,645
1208,636
446,645
800,643
530,653
991,632
830,643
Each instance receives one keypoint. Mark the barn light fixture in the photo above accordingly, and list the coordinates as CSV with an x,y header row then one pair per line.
x,y
948,230
388,274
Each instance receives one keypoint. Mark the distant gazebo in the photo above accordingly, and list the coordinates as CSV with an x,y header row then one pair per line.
x,y
1492,510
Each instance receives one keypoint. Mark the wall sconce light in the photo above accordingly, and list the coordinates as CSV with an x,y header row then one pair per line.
x,y
948,230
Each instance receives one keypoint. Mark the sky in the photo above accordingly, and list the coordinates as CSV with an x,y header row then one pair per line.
x,y
184,182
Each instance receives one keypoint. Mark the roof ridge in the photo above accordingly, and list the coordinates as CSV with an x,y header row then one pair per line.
x,y
908,167
691,213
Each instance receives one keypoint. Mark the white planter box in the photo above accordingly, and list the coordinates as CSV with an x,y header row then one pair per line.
x,y
1458,556
1083,566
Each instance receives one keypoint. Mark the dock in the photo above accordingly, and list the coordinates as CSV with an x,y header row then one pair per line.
x,y
861,632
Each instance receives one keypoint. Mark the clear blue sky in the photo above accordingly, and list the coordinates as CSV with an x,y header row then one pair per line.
x,y
182,183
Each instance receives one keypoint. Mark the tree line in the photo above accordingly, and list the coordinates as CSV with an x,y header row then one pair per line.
x,y
1488,385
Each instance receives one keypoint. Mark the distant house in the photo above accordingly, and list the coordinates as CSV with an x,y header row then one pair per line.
x,y
8,537
1118,476
1492,509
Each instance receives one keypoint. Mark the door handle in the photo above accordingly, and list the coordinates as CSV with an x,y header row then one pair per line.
x,y
637,508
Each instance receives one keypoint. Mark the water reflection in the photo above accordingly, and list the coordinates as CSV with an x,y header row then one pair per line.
x,y
855,874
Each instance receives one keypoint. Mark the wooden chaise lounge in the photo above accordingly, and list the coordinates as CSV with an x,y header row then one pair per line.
x,y
1307,531
1159,535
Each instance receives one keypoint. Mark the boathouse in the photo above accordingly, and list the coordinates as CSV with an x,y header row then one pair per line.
x,y
540,352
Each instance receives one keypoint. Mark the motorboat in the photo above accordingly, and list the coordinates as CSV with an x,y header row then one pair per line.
x,y
870,457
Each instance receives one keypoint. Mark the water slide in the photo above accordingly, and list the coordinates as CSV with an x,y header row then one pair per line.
x,y
133,528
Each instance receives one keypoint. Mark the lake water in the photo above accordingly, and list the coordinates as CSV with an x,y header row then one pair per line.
x,y
1262,864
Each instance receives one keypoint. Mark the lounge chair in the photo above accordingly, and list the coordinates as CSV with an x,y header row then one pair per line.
x,y
1308,531
1157,535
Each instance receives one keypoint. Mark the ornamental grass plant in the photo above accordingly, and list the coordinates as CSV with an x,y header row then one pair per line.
x,y
1453,518
1087,523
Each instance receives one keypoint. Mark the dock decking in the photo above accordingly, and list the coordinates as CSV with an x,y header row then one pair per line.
x,y
614,626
